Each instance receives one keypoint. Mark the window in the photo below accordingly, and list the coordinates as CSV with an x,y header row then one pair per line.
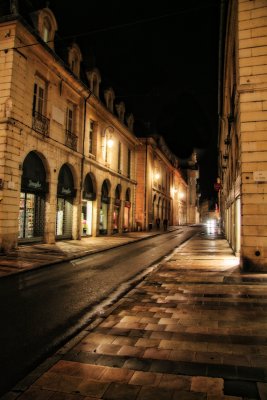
x,y
91,131
109,98
46,30
39,98
45,23
75,59
71,138
104,147
119,157
69,122
129,163
40,123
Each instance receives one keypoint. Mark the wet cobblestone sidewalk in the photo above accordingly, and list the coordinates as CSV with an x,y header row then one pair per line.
x,y
195,328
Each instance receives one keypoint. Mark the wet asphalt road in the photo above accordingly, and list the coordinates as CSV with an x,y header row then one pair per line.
x,y
42,309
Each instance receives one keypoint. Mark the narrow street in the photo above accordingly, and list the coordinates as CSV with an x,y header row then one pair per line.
x,y
194,328
43,308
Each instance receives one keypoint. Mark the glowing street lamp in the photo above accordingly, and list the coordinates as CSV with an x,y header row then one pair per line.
x,y
181,195
157,176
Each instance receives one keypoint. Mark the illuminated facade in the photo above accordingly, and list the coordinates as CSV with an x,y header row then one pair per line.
x,y
70,164
67,165
243,131
162,191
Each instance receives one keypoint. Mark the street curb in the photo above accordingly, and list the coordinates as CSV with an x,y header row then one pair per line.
x,y
83,254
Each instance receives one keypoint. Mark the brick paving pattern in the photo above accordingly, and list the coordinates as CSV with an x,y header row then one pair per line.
x,y
195,328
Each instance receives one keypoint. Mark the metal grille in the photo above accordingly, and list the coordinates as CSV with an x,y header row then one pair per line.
x,y
71,140
40,123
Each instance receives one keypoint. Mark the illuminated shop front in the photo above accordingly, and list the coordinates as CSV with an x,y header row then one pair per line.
x,y
32,199
88,198
105,200
127,210
116,209
65,197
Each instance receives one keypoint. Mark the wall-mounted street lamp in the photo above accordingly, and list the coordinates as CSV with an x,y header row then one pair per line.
x,y
108,140
181,195
157,176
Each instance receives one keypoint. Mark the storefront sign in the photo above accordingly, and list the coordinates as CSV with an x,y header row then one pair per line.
x,y
33,186
66,191
127,204
89,196
117,202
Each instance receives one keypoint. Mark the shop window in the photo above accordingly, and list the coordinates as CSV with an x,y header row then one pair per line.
x,y
32,199
65,196
105,200
116,209
127,209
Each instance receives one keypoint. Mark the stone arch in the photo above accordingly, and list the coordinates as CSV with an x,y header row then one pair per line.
x,y
32,198
90,185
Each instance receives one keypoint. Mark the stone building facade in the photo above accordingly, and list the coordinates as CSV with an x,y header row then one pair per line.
x,y
67,165
70,163
243,131
162,191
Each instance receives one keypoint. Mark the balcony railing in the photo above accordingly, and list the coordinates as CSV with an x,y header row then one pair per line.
x,y
40,123
71,140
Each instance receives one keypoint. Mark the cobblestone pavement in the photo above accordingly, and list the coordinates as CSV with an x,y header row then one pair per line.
x,y
195,328
27,257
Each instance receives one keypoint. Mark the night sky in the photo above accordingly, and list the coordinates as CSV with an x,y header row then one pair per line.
x,y
162,60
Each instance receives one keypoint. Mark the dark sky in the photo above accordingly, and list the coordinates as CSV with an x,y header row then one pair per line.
x,y
162,60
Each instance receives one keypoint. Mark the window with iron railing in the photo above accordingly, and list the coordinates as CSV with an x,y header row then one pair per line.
x,y
70,138
40,122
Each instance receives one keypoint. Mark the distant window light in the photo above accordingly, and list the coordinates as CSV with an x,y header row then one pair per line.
x,y
46,30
